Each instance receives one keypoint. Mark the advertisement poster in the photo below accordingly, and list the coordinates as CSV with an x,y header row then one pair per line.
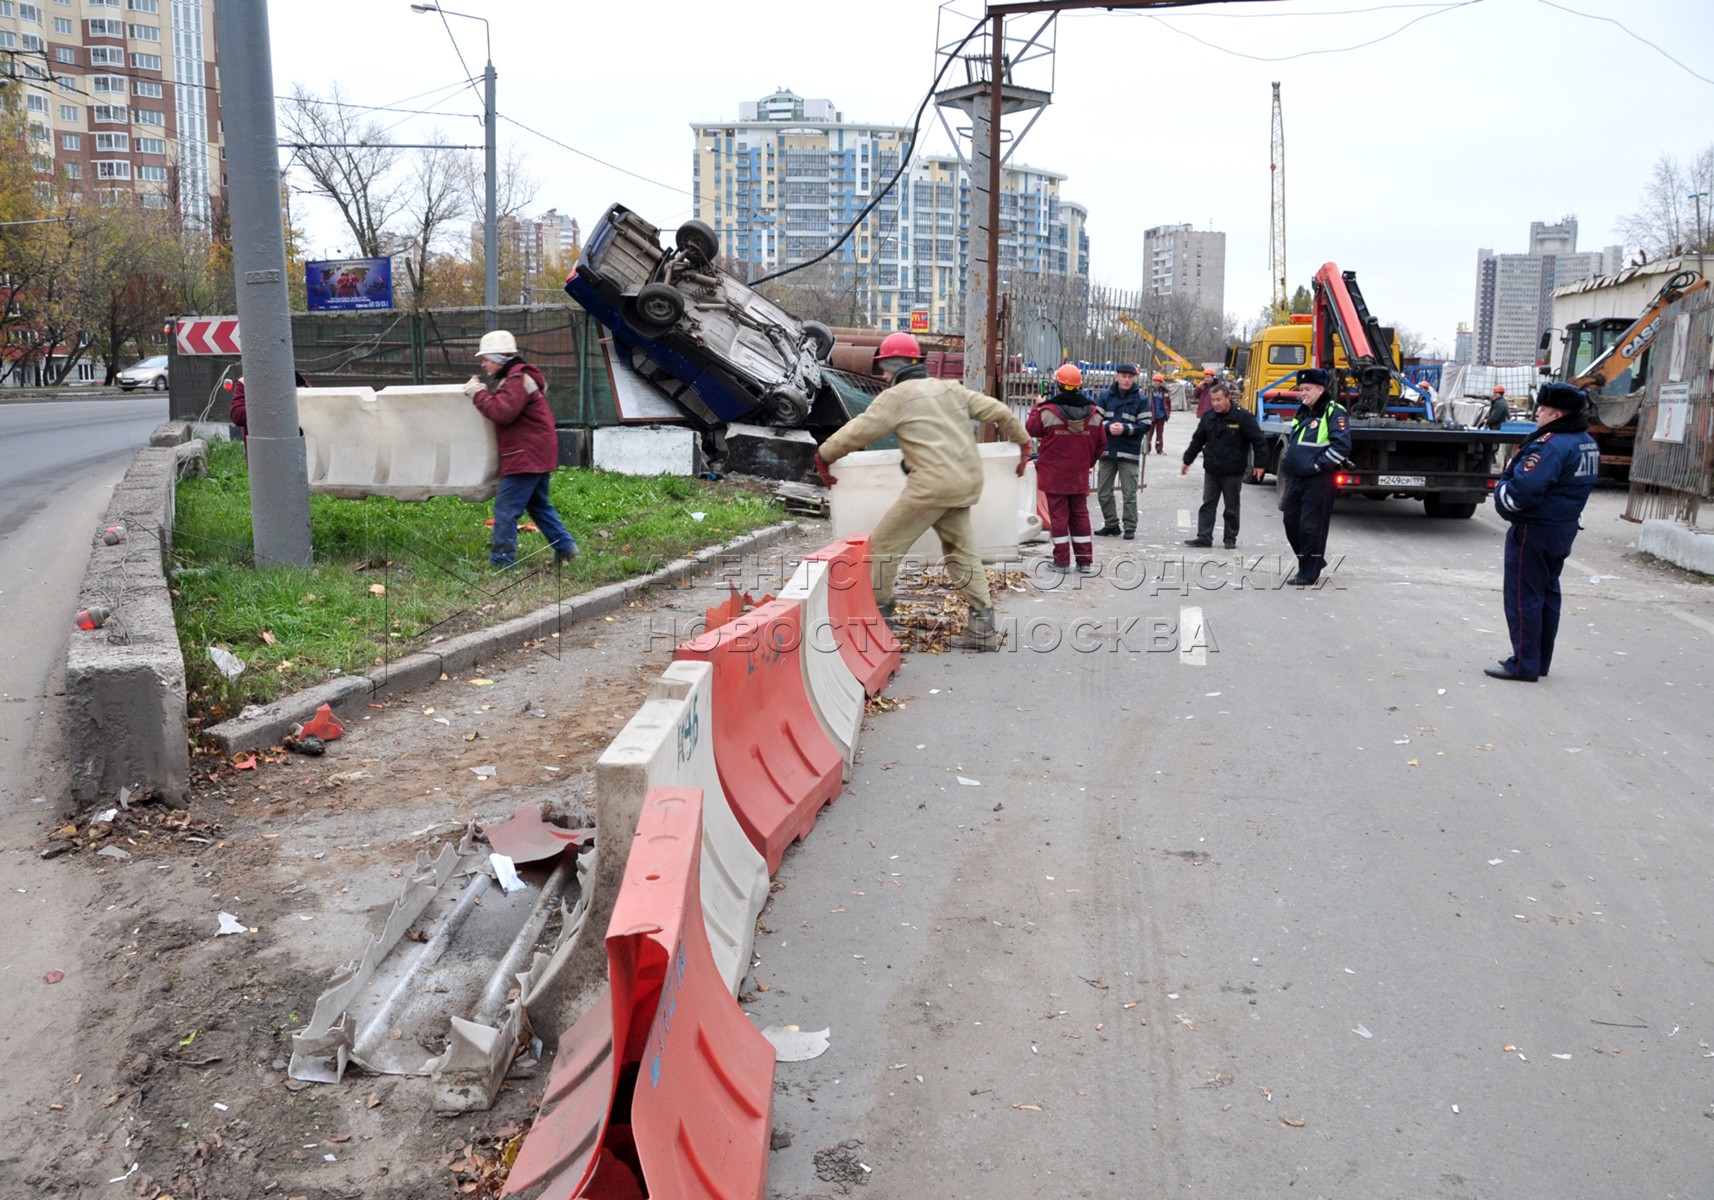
x,y
919,320
344,284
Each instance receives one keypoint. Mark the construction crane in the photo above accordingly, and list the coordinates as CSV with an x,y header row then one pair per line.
x,y
1167,360
1276,243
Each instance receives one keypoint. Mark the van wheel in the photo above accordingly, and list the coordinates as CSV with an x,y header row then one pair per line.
x,y
656,309
821,337
698,242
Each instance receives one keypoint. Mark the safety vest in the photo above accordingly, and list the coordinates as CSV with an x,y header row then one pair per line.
x,y
1298,426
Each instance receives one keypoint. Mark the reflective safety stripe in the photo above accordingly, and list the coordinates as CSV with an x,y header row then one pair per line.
x,y
1320,429
1060,541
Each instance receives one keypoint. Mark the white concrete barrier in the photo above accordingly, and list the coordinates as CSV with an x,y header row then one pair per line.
x,y
1692,549
870,480
646,450
834,692
408,443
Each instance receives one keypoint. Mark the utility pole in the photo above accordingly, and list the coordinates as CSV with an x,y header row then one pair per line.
x,y
279,474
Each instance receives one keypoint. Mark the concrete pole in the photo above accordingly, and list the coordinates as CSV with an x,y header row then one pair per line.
x,y
977,349
991,315
279,476
491,215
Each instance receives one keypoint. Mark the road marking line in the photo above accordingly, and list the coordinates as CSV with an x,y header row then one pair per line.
x,y
1691,618
1184,518
1192,643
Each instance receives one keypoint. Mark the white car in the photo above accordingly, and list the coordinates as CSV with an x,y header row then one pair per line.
x,y
150,373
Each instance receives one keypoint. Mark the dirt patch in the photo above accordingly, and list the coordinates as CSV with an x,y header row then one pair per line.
x,y
180,1084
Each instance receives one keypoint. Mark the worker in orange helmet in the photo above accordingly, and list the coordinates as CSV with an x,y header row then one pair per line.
x,y
931,420
1205,392
1072,439
1499,411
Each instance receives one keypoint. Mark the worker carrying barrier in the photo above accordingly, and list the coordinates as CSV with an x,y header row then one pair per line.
x,y
776,765
665,1090
867,645
668,743
834,692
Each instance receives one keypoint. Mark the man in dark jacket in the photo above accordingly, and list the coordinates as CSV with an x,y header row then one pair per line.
x,y
1228,439
1128,413
1499,412
1318,443
1542,492
1160,400
1072,438
515,399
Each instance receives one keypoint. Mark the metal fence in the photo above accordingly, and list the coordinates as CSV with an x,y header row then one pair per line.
x,y
1672,463
381,349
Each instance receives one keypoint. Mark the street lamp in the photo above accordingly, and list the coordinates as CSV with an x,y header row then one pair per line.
x,y
490,228
1698,196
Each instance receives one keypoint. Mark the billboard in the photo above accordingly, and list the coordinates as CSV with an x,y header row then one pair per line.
x,y
919,320
343,284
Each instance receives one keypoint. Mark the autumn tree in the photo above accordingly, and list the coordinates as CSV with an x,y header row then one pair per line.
x,y
348,161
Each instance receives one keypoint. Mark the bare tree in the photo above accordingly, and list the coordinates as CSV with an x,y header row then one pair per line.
x,y
437,195
1664,222
348,161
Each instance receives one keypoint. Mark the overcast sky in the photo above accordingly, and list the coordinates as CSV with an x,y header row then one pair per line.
x,y
1403,156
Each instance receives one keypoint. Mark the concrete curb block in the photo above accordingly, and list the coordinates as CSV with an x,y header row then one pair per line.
x,y
267,725
125,682
1692,549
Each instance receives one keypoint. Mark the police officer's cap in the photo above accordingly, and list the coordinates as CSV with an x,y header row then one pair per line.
x,y
1314,375
1562,396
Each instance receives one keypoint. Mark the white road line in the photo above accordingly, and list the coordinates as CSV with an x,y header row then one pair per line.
x,y
1691,618
1184,518
1192,643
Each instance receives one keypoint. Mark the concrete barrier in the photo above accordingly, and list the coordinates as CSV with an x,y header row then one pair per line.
x,y
1692,549
870,480
647,450
125,682
408,443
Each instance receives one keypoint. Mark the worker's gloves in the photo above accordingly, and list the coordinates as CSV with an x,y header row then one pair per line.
x,y
473,388
1023,457
823,470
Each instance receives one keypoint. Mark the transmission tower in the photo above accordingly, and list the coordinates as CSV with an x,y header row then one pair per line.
x,y
1276,243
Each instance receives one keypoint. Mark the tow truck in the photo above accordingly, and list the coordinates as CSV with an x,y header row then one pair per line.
x,y
1399,445
1608,357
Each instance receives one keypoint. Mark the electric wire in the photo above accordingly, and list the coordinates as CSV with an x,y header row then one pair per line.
x,y
1632,33
1439,11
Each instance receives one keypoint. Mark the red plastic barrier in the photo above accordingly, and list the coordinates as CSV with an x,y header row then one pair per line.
x,y
776,765
869,648
733,606
671,1050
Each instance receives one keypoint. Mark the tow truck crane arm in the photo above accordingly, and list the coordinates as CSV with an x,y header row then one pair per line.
x,y
1629,347
1340,312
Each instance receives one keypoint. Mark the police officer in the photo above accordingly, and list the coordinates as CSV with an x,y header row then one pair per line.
x,y
1318,443
1542,492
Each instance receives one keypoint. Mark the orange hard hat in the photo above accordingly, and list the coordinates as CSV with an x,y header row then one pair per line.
x,y
1208,370
1159,378
1498,390
898,345
1068,376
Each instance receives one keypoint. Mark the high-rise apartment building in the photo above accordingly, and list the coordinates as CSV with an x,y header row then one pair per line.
x,y
1514,292
121,96
781,183
1180,261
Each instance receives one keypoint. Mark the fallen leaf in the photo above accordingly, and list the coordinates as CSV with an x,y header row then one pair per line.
x,y
1294,1122
481,683
247,763
1413,763
377,589
372,1100
1027,1107
269,637
762,987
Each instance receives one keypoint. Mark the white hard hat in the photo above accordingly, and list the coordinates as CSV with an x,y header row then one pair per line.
x,y
499,341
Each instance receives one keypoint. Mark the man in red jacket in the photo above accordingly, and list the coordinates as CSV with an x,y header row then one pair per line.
x,y
1072,439
515,399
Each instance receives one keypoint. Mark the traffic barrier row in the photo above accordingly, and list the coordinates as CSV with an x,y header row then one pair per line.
x,y
662,1087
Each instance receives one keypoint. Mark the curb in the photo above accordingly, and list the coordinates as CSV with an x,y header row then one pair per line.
x,y
268,724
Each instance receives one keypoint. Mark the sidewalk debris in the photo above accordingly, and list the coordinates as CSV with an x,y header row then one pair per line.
x,y
230,924
794,1044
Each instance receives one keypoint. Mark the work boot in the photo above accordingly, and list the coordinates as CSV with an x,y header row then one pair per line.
x,y
1199,542
1108,530
564,558
980,633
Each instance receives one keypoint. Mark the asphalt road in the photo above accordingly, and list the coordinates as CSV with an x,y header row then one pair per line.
x,y
1311,908
58,464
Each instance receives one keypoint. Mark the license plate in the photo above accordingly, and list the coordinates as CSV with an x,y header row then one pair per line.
x,y
1403,480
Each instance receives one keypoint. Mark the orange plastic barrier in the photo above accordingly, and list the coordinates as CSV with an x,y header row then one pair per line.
x,y
869,648
776,765
671,1050
734,605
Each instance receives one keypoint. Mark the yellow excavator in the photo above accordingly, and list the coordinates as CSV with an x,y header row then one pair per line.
x,y
1602,356
1167,361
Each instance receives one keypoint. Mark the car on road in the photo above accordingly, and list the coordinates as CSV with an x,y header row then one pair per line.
x,y
720,349
150,373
